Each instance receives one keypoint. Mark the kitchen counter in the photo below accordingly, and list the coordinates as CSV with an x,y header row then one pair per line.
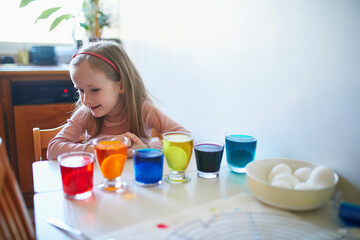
x,y
20,69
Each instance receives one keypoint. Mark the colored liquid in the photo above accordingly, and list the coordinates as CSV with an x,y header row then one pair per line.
x,y
350,214
240,150
208,157
77,175
111,156
178,151
148,165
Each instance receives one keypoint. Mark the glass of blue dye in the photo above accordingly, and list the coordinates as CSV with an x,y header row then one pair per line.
x,y
240,150
148,165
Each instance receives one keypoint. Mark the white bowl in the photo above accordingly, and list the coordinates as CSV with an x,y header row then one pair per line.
x,y
257,173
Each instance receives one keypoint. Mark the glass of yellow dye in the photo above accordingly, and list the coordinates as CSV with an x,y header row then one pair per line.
x,y
178,148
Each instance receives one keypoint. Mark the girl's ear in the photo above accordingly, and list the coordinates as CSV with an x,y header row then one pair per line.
x,y
121,87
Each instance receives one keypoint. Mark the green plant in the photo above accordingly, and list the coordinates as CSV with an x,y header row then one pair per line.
x,y
95,19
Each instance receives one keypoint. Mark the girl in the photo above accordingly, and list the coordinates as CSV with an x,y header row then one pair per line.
x,y
112,101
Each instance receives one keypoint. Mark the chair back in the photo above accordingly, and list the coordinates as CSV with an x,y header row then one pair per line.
x,y
15,221
42,138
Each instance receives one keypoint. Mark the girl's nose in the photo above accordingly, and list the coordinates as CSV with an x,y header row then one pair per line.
x,y
85,99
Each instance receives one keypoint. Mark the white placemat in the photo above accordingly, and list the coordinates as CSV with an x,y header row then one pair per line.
x,y
238,217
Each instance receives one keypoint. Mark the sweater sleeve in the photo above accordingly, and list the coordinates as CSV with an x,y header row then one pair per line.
x,y
156,119
67,139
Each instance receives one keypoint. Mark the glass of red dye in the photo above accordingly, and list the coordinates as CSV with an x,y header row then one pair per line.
x,y
77,169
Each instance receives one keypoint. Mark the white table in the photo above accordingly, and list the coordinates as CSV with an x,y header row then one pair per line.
x,y
105,212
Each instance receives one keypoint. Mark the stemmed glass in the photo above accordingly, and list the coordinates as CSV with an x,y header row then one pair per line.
x,y
177,151
110,154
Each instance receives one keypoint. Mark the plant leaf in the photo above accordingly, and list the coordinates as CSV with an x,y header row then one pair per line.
x,y
58,20
85,26
45,14
24,3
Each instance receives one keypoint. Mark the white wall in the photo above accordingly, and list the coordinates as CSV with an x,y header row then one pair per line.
x,y
288,69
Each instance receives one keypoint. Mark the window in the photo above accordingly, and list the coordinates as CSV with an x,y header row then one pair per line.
x,y
18,24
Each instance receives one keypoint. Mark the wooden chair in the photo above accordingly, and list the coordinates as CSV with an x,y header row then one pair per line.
x,y
2,122
15,221
42,138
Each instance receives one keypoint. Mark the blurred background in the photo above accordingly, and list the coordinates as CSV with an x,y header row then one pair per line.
x,y
289,70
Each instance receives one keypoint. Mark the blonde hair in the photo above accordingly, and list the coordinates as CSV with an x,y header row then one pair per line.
x,y
135,92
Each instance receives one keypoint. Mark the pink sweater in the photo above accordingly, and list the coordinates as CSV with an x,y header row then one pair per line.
x,y
66,140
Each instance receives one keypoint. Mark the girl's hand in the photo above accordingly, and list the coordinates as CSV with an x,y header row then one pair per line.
x,y
134,142
156,144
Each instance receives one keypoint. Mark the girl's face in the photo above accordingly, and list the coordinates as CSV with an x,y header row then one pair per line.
x,y
99,93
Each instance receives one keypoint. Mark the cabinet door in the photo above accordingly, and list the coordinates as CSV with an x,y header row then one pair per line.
x,y
26,118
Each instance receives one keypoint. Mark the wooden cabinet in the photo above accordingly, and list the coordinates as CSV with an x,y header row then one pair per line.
x,y
18,121
26,118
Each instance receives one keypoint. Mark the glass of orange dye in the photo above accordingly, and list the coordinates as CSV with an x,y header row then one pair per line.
x,y
111,156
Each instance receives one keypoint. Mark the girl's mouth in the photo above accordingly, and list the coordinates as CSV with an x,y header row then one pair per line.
x,y
94,108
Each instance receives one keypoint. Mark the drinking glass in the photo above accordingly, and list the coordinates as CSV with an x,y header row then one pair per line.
x,y
347,208
77,169
148,165
208,156
240,150
111,156
177,150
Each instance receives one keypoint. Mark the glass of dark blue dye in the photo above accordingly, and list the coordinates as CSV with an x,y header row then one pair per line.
x,y
240,150
208,155
148,165
347,206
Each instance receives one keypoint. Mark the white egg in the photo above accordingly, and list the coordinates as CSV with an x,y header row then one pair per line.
x,y
277,169
302,173
303,186
286,177
281,184
321,177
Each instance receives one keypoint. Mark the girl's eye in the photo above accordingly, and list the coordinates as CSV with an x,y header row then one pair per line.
x,y
95,90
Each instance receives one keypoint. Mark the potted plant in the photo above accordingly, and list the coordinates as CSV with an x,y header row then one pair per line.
x,y
95,18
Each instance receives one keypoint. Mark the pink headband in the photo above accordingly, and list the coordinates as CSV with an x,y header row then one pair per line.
x,y
99,56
